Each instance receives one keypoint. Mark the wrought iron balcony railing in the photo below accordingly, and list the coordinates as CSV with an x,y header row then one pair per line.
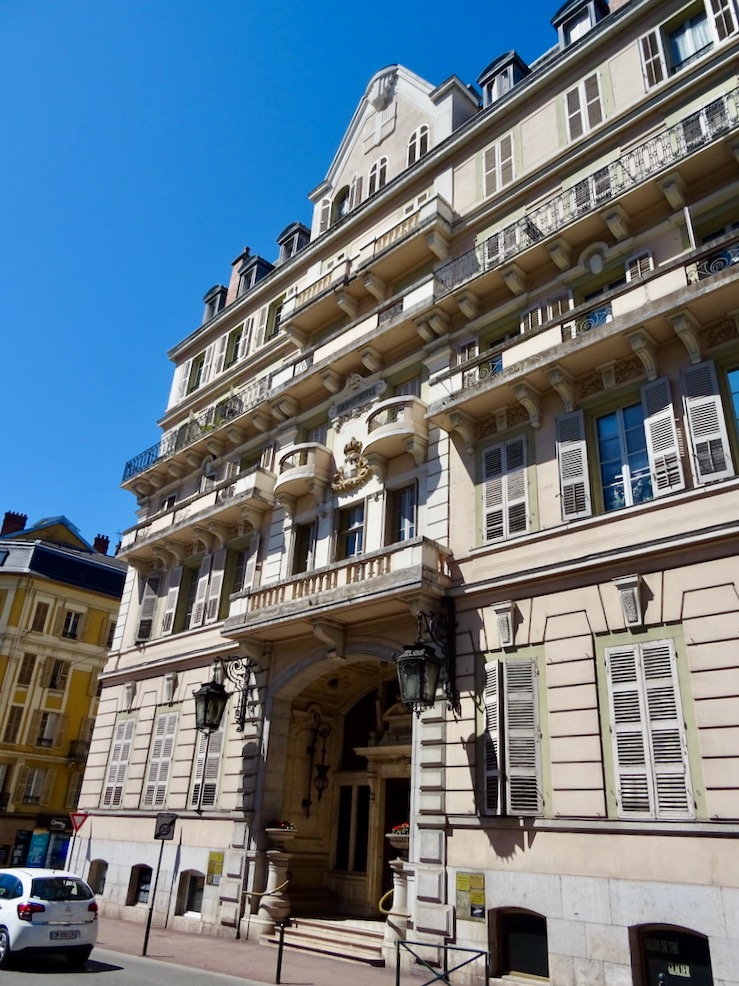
x,y
632,169
714,263
194,429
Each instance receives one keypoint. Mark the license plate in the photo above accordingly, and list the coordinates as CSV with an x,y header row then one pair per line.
x,y
65,935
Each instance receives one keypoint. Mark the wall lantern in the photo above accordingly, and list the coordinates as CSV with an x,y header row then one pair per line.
x,y
211,699
210,704
428,662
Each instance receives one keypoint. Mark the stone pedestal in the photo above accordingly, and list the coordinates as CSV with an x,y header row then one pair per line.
x,y
397,920
274,906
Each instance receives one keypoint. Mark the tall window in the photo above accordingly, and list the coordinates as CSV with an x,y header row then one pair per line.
x,y
672,47
689,41
120,753
149,600
497,165
56,673
622,453
72,626
584,107
39,617
401,514
13,724
418,144
34,785
647,728
351,531
523,945
25,673
304,546
377,175
505,509
160,761
207,769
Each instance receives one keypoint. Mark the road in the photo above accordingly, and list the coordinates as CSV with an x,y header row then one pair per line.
x,y
113,969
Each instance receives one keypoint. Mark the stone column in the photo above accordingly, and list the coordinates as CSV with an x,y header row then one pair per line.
x,y
397,920
274,906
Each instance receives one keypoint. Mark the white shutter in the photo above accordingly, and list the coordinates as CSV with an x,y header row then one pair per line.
x,y
251,562
173,592
574,113
634,795
663,450
593,105
711,455
207,769
325,216
220,355
184,380
523,786
653,59
724,18
118,763
639,266
215,587
504,477
491,766
245,341
161,760
201,593
149,599
572,459
261,325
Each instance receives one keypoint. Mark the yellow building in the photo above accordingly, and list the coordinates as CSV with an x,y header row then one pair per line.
x,y
59,599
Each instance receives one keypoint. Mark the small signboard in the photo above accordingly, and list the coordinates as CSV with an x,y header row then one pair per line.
x,y
471,896
215,868
165,826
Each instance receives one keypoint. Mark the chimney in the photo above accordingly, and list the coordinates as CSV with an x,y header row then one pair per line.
x,y
13,522
101,543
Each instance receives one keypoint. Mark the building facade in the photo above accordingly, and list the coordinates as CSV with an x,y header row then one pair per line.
x,y
59,599
493,387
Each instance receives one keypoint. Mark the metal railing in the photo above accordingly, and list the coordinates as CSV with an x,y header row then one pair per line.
x,y
714,263
587,321
441,971
632,169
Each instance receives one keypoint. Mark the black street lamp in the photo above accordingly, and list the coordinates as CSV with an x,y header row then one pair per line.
x,y
210,704
428,661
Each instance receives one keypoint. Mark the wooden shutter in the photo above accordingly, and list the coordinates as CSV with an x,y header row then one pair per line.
x,y
201,593
711,455
572,459
504,476
207,364
148,607
21,776
34,727
491,767
630,743
118,763
47,787
73,790
653,62
173,591
220,355
251,562
59,619
325,215
661,433
593,105
184,379
724,18
574,113
215,587
161,760
60,730
207,769
523,786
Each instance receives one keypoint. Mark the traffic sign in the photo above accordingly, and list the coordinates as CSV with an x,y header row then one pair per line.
x,y
78,819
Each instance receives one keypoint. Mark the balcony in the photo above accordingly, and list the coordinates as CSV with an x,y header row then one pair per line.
x,y
423,234
79,750
318,303
195,433
396,426
207,514
304,470
374,586
645,162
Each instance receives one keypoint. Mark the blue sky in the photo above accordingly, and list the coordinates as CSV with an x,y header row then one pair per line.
x,y
145,144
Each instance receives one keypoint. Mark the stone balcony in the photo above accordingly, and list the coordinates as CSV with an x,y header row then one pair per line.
x,y
210,516
379,585
396,426
303,470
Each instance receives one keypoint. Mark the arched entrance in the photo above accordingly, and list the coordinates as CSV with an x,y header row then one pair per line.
x,y
345,784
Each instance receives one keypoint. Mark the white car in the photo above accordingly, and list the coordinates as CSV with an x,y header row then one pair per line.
x,y
46,911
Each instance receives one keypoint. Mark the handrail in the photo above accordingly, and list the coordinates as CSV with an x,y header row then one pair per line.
x,y
381,901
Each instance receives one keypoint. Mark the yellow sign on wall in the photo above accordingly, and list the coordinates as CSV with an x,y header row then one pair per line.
x,y
471,896
215,868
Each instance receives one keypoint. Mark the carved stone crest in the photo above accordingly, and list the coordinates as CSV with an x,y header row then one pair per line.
x,y
355,470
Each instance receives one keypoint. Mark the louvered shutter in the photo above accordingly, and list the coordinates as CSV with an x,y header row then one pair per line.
x,y
148,607
724,18
504,477
207,769
639,266
161,760
592,101
325,215
572,459
574,113
61,616
491,766
73,791
653,62
251,562
173,591
245,341
60,731
34,727
262,324
634,795
668,742
215,587
515,483
118,764
661,433
21,776
47,671
201,593
494,493
47,779
523,786
184,379
220,355
506,160
104,631
207,364
711,455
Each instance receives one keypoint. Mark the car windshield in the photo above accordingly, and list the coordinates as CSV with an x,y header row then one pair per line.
x,y
59,888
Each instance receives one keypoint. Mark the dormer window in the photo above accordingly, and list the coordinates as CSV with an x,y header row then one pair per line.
x,y
418,144
214,301
576,18
501,76
291,240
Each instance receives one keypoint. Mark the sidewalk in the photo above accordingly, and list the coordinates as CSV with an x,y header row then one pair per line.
x,y
238,958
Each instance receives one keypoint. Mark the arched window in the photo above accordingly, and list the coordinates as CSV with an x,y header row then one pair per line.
x,y
97,874
139,885
377,175
341,204
667,952
190,893
522,947
418,144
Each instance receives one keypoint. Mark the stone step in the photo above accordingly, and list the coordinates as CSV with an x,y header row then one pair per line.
x,y
353,941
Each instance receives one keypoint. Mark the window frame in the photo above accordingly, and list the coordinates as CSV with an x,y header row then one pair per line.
x,y
377,175
584,109
158,771
401,524
116,770
498,165
505,489
347,530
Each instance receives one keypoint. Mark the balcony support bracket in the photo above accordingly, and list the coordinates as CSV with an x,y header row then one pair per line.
x,y
644,347
689,331
531,400
332,634
563,383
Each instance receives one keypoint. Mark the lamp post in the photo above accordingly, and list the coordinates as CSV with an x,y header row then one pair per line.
x,y
428,661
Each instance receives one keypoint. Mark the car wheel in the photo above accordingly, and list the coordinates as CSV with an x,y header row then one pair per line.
x,y
4,947
78,956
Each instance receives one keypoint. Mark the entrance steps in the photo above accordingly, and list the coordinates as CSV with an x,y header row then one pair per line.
x,y
351,939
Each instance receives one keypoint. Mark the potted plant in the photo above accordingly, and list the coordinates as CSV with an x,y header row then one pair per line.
x,y
399,835
280,832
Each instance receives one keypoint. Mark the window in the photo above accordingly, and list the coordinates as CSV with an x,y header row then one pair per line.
x,y
274,317
242,564
532,318
13,724
664,952
377,175
46,729
497,166
401,514
235,346
351,531
160,761
149,600
647,728
505,504
583,107
418,144
577,27
34,785
676,45
523,949
96,876
25,673
72,625
139,886
341,205
197,373
110,634
55,674
304,547
190,895
409,388
207,769
39,617
622,454
689,41
120,753
512,761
